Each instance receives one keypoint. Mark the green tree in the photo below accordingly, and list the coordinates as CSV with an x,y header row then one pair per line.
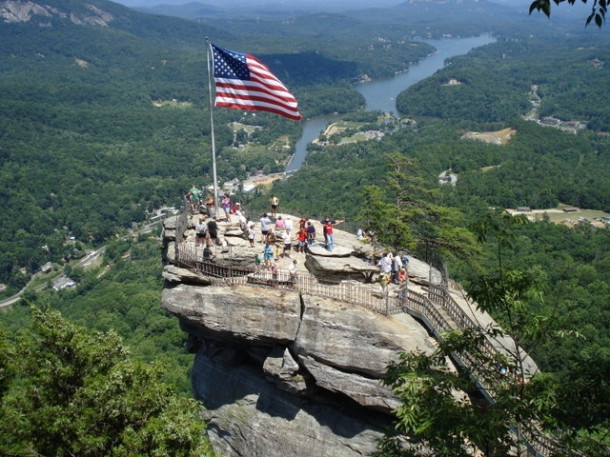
x,y
403,213
436,417
79,393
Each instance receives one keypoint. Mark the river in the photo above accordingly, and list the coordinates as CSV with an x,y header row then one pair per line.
x,y
381,95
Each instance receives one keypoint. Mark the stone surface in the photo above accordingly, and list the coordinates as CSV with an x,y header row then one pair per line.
x,y
365,391
281,368
352,267
237,312
250,417
354,338
176,274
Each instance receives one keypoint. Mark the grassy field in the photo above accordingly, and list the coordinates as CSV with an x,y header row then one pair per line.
x,y
559,216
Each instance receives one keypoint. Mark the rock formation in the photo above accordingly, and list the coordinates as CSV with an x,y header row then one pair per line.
x,y
282,368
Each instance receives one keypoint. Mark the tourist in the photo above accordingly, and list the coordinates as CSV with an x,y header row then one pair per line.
x,y
274,272
200,230
360,234
287,245
384,280
268,254
292,270
289,225
303,223
208,255
213,230
265,224
396,267
250,232
329,237
210,206
302,236
280,225
385,264
195,194
402,275
225,204
311,233
274,202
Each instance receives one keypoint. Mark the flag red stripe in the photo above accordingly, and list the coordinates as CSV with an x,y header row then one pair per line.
x,y
295,117
226,87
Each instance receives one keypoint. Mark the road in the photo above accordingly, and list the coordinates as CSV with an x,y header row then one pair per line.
x,y
83,263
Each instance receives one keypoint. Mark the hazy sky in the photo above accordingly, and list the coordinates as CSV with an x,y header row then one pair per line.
x,y
348,4
343,5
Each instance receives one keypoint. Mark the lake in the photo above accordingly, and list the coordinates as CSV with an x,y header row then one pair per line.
x,y
381,95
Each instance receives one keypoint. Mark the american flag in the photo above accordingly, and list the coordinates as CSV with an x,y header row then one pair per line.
x,y
244,82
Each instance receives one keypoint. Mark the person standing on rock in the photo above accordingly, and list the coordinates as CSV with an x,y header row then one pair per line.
x,y
292,270
195,196
213,230
225,204
274,202
385,264
327,229
396,267
311,233
268,255
250,232
289,225
200,231
265,223
280,226
287,245
302,236
384,280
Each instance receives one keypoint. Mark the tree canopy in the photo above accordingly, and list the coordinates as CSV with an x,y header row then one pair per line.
x,y
66,391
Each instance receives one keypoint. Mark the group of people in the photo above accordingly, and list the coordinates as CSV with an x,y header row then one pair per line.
x,y
268,262
206,234
207,205
392,269
277,236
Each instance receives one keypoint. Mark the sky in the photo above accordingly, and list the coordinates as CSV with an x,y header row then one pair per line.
x,y
577,10
348,4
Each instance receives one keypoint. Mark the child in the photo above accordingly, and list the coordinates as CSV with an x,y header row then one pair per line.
x,y
384,280
268,254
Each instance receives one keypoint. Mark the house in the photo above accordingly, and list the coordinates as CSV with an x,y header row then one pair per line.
x,y
62,282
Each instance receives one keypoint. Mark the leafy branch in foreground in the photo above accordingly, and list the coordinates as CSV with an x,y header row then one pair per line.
x,y
489,399
442,414
599,9
71,392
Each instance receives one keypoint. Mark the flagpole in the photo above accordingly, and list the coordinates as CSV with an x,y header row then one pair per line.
x,y
213,140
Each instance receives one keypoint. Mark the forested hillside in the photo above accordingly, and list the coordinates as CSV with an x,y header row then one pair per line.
x,y
101,125
105,120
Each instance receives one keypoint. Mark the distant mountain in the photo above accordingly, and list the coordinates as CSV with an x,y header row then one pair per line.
x,y
239,8
100,13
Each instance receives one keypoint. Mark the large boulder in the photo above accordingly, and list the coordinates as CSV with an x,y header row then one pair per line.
x,y
340,267
355,339
238,313
363,390
250,417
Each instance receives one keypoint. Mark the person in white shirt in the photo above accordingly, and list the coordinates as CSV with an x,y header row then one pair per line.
x,y
292,269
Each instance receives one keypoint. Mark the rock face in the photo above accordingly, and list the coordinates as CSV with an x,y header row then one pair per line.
x,y
283,371
25,11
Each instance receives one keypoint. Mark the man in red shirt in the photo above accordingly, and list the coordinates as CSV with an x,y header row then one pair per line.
x,y
329,237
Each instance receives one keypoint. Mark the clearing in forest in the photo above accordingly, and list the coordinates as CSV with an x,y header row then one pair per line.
x,y
498,137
